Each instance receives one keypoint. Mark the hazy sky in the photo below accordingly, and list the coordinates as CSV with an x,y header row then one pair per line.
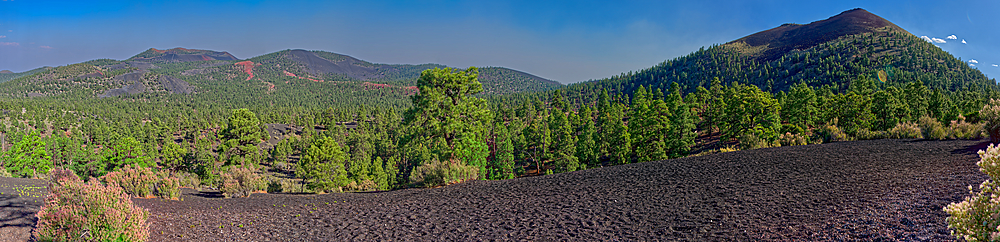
x,y
567,41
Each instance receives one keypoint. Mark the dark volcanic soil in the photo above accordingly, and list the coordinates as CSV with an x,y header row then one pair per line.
x,y
866,190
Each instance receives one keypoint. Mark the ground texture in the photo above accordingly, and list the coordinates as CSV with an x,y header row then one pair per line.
x,y
882,190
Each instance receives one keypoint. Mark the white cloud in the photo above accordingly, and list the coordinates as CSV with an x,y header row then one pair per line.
x,y
9,44
45,47
973,61
972,64
925,38
938,41
963,41
951,37
995,65
3,36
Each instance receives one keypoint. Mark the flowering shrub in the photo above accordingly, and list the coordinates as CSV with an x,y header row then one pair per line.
x,y
990,116
436,173
831,133
78,211
136,181
975,218
168,187
241,181
905,130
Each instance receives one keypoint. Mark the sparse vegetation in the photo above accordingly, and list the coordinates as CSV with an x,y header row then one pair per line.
x,y
91,211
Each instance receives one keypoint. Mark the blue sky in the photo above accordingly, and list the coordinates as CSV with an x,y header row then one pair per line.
x,y
567,41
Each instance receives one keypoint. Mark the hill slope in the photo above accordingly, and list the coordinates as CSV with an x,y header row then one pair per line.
x,y
854,44
181,70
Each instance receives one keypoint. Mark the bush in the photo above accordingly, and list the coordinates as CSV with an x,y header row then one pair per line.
x,y
932,129
905,130
990,116
790,139
974,219
241,181
136,181
959,129
865,134
168,187
831,133
751,141
436,173
189,180
78,211
363,186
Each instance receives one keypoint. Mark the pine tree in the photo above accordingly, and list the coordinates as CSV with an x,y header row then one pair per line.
x,y
682,124
619,145
586,147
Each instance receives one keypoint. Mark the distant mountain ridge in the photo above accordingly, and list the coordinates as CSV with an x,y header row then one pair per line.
x,y
181,55
181,70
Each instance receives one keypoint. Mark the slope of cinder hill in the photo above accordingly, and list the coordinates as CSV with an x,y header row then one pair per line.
x,y
832,52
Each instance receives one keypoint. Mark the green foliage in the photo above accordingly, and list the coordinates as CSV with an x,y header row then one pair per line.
x,y
748,111
28,157
173,156
323,166
905,130
799,108
932,129
445,113
240,138
587,149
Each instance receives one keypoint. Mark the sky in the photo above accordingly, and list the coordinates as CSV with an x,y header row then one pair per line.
x,y
565,41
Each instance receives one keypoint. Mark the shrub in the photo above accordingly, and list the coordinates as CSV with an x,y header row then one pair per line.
x,y
436,173
241,181
865,134
168,187
931,128
751,141
136,181
905,130
959,129
78,211
831,133
189,180
974,219
990,116
364,186
790,139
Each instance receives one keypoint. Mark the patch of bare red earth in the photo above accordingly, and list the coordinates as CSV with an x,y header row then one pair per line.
x,y
247,67
856,191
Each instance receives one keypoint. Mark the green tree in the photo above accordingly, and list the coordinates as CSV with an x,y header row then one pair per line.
x,y
323,166
749,111
445,112
504,162
27,157
240,138
172,156
888,110
619,145
586,146
681,134
799,108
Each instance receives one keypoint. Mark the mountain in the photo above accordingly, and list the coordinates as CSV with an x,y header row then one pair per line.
x,y
181,55
833,52
180,70
7,75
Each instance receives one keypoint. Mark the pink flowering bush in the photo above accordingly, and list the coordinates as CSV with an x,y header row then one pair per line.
x,y
78,211
136,181
975,219
241,181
